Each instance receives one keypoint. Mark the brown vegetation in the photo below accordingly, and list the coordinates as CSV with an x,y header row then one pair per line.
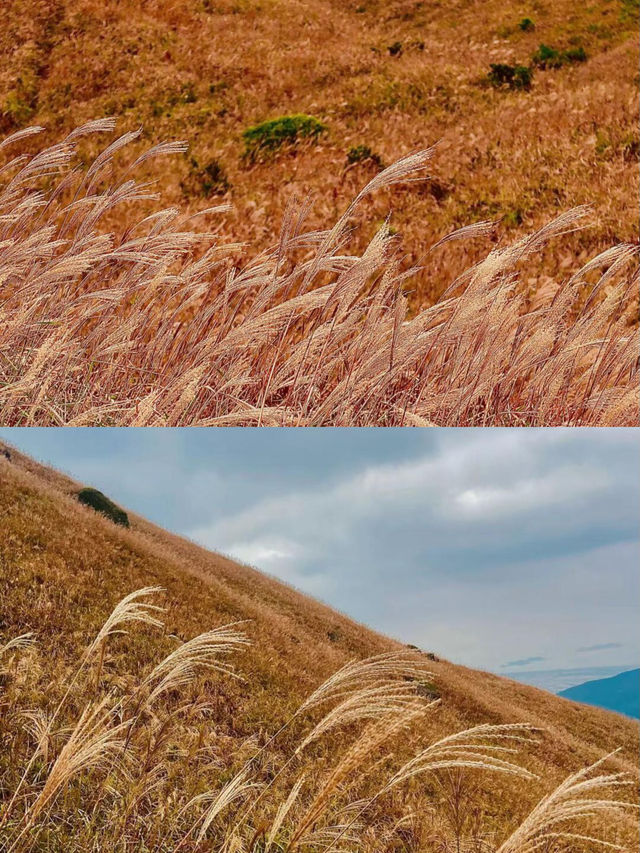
x,y
156,324
394,76
136,728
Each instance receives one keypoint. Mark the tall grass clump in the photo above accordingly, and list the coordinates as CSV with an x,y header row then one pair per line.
x,y
157,324
123,771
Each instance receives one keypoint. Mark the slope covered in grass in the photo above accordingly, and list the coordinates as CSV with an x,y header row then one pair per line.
x,y
64,568
389,77
158,324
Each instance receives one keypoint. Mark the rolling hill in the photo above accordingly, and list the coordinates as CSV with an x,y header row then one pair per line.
x,y
64,567
619,693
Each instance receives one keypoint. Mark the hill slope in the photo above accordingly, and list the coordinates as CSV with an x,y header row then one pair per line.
x,y
63,567
619,693
386,78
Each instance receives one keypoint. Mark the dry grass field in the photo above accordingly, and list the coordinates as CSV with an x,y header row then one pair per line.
x,y
533,107
390,77
128,728
159,325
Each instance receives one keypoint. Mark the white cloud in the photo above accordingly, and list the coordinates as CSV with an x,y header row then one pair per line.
x,y
481,479
282,558
264,552
495,541
523,495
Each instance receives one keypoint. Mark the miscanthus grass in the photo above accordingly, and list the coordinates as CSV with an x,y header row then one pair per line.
x,y
111,319
133,763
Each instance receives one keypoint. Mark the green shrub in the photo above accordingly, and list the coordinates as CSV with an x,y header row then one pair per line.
x,y
395,49
513,218
513,76
362,154
549,57
214,179
629,11
574,54
526,25
20,102
500,74
427,690
603,143
16,111
522,77
546,57
101,503
271,135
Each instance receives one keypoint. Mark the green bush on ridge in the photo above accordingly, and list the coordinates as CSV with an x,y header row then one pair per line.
x,y
526,24
363,154
549,57
101,503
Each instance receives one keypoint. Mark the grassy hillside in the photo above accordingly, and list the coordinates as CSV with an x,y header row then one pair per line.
x,y
385,78
147,322
277,312
64,567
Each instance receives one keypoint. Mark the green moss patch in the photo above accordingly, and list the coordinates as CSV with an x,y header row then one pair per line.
x,y
270,136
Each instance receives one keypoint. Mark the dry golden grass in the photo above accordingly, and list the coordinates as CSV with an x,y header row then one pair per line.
x,y
159,325
92,756
205,70
156,330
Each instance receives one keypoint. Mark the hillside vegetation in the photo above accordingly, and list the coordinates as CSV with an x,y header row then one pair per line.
x,y
385,79
319,283
214,723
160,325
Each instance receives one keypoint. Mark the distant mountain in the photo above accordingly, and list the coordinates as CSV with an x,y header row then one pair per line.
x,y
557,680
619,693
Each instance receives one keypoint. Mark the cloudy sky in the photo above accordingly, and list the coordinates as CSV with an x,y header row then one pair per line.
x,y
508,550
